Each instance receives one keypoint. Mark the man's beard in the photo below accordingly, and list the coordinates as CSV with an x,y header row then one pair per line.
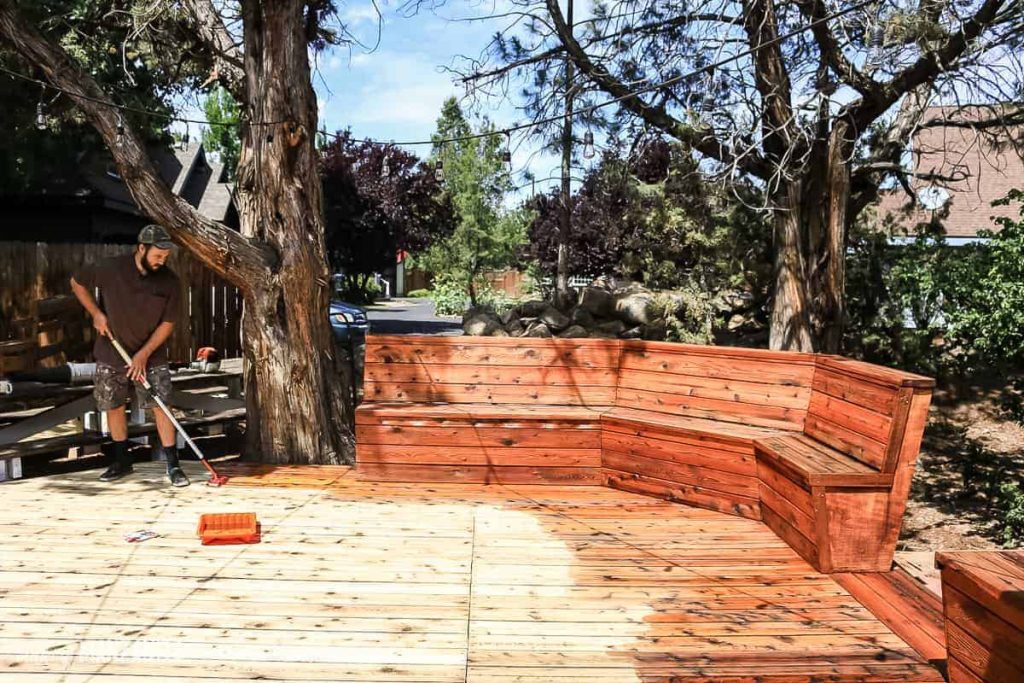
x,y
146,265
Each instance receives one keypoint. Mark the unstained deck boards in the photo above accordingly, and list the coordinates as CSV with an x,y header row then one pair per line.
x,y
359,581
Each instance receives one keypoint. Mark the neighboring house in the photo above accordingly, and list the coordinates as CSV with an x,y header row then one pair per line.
x,y
92,204
987,166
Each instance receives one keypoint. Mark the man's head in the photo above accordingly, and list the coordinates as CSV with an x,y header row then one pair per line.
x,y
154,247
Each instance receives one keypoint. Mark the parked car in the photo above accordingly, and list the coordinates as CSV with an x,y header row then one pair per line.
x,y
349,322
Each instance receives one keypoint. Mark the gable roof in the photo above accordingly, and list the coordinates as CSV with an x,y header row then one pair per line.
x,y
987,165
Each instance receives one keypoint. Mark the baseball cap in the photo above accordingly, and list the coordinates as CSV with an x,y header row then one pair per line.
x,y
156,236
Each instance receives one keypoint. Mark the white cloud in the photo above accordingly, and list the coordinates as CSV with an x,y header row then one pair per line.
x,y
356,14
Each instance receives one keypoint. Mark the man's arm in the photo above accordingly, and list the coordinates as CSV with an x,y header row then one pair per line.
x,y
137,368
84,296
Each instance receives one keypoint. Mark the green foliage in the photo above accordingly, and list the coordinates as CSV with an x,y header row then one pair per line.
x,y
449,293
653,219
486,237
220,108
1013,517
140,71
964,305
689,314
990,315
418,294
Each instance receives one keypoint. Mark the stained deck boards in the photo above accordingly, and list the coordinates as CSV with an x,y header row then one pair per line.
x,y
362,581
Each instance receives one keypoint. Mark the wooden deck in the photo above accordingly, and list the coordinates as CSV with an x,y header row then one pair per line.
x,y
358,581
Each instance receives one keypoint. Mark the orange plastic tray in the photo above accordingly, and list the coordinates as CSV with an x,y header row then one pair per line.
x,y
225,528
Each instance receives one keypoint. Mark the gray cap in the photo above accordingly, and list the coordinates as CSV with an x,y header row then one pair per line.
x,y
155,235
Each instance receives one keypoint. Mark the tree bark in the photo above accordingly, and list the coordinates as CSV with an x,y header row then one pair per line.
x,y
304,412
833,285
790,328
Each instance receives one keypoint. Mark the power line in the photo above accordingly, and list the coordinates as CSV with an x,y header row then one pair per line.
x,y
708,68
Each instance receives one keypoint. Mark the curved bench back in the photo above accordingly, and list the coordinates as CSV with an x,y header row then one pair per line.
x,y
520,371
862,409
747,386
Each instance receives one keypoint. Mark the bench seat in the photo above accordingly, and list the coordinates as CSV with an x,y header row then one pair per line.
x,y
479,443
809,462
693,460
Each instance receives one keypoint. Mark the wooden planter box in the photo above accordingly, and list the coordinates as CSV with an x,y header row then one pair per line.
x,y
983,600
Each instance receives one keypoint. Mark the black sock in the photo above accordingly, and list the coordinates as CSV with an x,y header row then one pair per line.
x,y
119,453
172,457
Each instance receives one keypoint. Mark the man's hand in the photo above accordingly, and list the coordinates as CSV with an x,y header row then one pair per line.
x,y
99,321
137,368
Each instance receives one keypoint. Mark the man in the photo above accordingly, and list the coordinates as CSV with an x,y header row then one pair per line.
x,y
139,302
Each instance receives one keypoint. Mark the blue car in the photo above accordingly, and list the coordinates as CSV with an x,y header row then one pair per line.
x,y
349,323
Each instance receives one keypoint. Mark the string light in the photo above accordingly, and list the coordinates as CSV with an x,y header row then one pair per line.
x,y
588,145
876,45
506,156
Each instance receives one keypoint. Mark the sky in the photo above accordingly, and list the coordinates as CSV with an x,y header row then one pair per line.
x,y
394,90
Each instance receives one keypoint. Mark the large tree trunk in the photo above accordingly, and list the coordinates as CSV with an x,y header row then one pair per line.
x,y
833,284
790,327
298,396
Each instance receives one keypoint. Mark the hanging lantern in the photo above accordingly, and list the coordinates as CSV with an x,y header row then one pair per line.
x,y
588,145
439,171
40,116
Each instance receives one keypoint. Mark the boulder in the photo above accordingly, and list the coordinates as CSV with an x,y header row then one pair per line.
x,y
555,319
482,324
582,317
613,328
532,309
633,333
537,330
574,331
597,302
635,307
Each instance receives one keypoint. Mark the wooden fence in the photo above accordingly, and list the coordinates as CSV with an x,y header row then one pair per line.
x,y
32,272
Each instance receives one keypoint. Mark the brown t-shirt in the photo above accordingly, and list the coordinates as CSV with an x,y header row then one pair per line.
x,y
135,305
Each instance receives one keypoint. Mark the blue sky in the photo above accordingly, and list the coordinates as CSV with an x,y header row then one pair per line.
x,y
395,92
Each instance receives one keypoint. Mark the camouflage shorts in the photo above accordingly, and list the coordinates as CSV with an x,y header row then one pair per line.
x,y
112,386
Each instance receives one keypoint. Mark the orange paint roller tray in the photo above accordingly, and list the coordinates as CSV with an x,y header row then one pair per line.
x,y
227,528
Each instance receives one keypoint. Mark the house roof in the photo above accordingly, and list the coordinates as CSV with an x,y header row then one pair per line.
x,y
988,164
186,171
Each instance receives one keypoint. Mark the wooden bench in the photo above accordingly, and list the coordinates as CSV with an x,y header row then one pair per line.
x,y
484,409
686,418
837,491
983,601
821,448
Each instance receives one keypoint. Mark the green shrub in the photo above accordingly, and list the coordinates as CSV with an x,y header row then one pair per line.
x,y
419,294
1013,521
449,295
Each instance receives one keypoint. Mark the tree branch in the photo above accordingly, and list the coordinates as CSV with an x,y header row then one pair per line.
x,y
656,116
863,112
223,250
814,10
227,58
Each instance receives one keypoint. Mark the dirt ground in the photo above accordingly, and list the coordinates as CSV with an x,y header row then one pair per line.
x,y
970,448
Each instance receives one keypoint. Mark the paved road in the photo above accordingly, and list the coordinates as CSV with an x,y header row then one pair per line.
x,y
411,316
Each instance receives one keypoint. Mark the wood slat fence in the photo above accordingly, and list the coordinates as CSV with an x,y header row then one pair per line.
x,y
32,274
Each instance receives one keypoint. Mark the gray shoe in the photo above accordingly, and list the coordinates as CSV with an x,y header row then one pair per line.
x,y
177,477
